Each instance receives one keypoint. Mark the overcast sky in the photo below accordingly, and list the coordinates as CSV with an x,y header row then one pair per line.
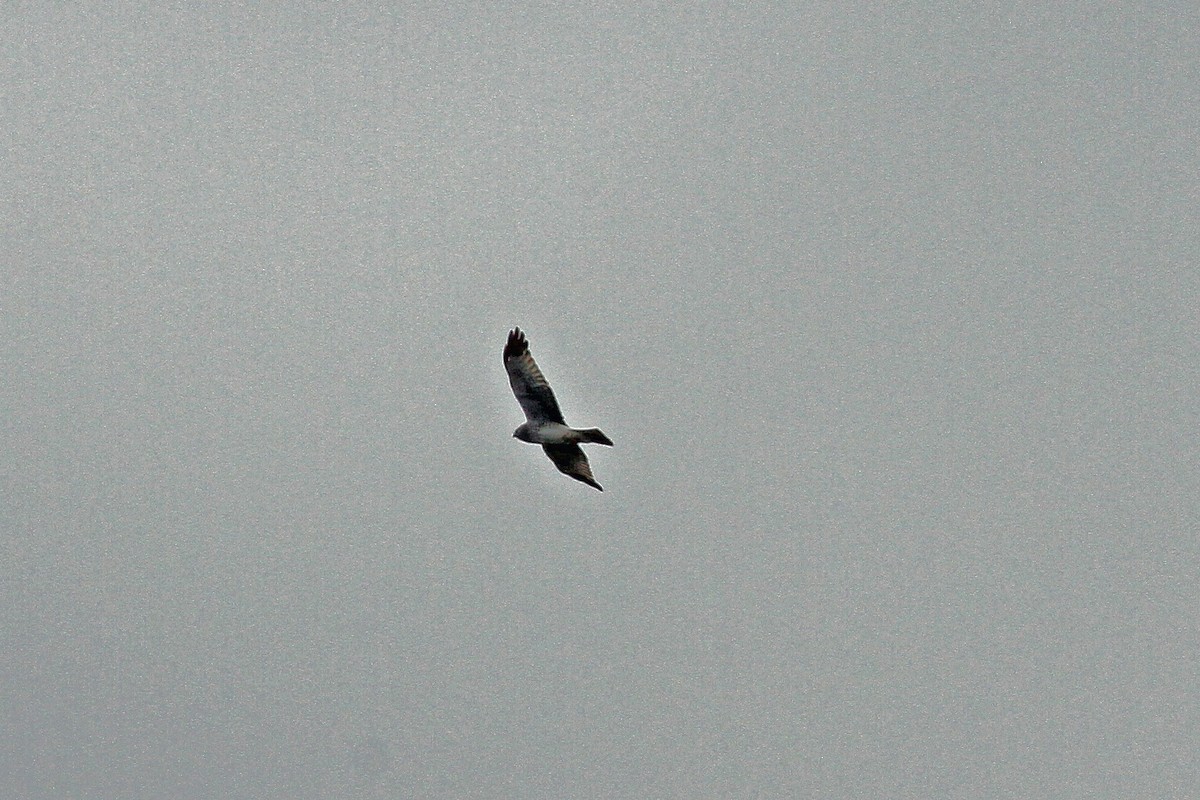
x,y
892,315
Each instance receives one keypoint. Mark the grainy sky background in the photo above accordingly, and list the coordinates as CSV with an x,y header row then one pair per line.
x,y
892,314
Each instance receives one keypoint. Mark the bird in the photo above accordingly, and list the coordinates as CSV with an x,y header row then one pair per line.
x,y
544,423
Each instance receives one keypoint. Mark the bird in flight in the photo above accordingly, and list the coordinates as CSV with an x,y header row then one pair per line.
x,y
544,423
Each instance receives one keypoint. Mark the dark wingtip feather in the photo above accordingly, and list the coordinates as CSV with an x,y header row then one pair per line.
x,y
516,345
585,479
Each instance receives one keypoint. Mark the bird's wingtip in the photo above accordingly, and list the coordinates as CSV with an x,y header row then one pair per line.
x,y
516,344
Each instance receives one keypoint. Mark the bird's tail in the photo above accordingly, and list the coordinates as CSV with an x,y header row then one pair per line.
x,y
595,436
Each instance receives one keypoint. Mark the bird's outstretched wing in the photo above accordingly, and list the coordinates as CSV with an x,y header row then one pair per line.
x,y
570,460
530,386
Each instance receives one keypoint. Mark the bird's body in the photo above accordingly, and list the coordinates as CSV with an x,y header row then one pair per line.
x,y
548,433
558,433
544,423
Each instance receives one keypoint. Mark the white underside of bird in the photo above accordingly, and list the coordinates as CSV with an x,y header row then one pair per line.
x,y
550,433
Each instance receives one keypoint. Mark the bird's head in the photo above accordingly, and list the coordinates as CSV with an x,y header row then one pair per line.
x,y
522,433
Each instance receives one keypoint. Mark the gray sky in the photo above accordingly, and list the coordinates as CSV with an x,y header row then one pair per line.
x,y
892,315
